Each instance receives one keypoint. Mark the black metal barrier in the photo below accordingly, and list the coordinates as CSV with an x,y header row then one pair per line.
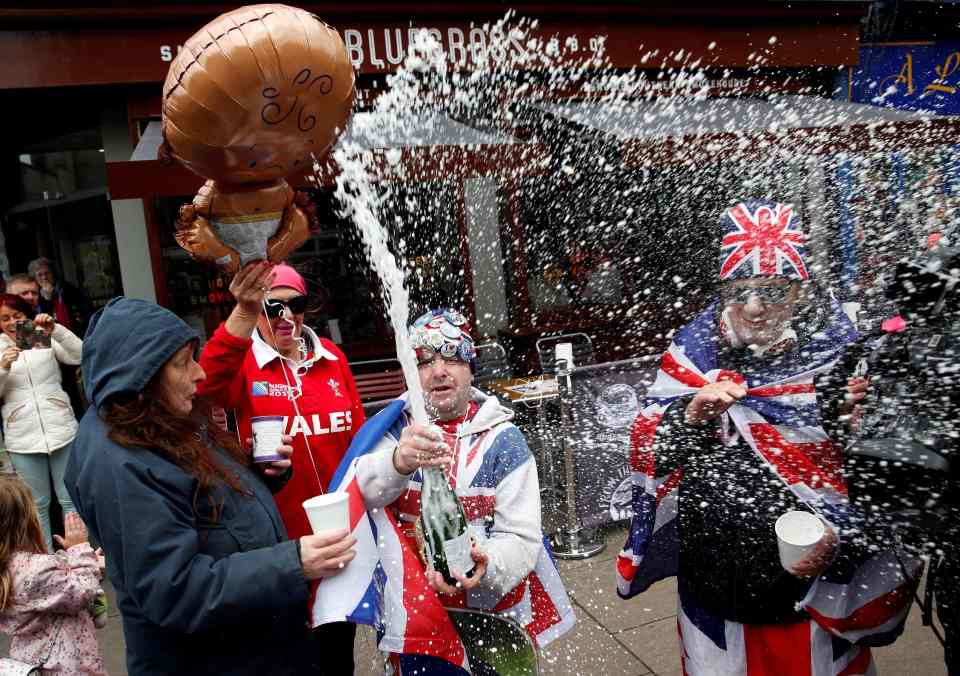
x,y
598,405
581,441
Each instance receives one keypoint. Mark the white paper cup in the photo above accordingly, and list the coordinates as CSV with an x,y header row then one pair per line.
x,y
267,437
328,512
797,534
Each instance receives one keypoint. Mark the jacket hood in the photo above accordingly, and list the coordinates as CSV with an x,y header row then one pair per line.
x,y
127,342
491,412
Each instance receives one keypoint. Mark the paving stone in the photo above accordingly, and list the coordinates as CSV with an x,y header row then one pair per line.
x,y
366,656
614,536
589,650
594,588
113,647
916,653
657,644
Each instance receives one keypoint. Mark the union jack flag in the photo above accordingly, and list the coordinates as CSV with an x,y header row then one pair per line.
x,y
384,586
850,607
762,239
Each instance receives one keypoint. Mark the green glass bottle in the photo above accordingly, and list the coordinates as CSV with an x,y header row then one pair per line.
x,y
446,535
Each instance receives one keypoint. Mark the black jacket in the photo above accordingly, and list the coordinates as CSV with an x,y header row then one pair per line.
x,y
77,305
197,595
728,503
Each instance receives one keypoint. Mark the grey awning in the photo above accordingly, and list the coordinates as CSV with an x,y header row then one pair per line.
x,y
433,129
683,116
148,144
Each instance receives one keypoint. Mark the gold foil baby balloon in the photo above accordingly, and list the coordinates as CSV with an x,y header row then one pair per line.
x,y
249,98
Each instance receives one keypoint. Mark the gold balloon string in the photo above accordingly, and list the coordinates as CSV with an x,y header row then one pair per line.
x,y
294,394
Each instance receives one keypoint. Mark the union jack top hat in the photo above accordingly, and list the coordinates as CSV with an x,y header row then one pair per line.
x,y
762,239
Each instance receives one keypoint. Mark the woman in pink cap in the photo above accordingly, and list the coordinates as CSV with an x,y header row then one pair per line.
x,y
264,361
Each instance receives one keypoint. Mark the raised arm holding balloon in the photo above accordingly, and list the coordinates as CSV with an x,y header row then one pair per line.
x,y
254,96
267,366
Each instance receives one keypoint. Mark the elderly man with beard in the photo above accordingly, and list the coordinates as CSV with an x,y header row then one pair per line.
x,y
731,437
490,467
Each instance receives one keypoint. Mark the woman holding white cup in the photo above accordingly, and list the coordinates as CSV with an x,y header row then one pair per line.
x,y
195,546
266,362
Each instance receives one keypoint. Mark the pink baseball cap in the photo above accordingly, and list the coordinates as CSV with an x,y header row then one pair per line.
x,y
284,275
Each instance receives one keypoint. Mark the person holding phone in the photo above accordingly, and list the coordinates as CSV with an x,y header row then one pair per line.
x,y
38,421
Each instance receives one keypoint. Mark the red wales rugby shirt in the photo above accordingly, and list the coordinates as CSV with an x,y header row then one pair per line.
x,y
249,376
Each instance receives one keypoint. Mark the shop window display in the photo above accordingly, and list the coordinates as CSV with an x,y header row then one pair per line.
x,y
345,302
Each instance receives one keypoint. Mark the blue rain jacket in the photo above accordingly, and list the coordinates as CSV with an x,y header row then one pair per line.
x,y
198,595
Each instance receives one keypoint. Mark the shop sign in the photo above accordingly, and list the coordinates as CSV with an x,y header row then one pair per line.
x,y
110,55
383,49
913,77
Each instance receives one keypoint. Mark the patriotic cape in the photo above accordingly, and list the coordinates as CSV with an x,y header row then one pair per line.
x,y
384,586
779,419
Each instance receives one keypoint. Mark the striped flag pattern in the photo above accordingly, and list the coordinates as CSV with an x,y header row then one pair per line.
x,y
384,586
779,420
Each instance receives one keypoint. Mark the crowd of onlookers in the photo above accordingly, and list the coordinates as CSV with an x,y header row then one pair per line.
x,y
39,296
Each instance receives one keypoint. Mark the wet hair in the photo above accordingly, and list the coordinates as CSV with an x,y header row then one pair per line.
x,y
144,420
17,303
20,531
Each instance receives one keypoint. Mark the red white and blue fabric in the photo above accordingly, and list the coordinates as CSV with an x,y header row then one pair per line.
x,y
779,419
716,647
384,585
762,239
539,603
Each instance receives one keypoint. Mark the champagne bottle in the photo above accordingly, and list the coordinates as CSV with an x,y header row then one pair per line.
x,y
444,523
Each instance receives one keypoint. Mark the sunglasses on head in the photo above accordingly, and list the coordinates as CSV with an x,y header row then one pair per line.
x,y
274,307
768,295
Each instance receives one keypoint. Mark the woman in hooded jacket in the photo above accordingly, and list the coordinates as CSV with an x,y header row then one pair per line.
x,y
38,421
206,579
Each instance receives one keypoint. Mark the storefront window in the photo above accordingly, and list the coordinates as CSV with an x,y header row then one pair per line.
x,y
62,210
346,305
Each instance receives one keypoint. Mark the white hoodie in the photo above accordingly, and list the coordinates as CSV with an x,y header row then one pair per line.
x,y
496,479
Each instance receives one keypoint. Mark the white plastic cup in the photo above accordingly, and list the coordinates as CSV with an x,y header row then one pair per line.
x,y
328,512
797,534
267,437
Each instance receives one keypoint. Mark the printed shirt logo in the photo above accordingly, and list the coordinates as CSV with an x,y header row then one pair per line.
x,y
335,386
264,388
317,424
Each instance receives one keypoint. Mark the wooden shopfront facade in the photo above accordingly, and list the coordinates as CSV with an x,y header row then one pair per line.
x,y
507,185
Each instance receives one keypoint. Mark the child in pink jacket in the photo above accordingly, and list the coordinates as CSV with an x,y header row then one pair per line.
x,y
45,599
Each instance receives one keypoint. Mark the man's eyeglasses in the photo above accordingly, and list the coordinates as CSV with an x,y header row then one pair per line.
x,y
274,307
768,295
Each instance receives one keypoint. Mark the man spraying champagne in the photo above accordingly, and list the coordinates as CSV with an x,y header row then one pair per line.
x,y
465,490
